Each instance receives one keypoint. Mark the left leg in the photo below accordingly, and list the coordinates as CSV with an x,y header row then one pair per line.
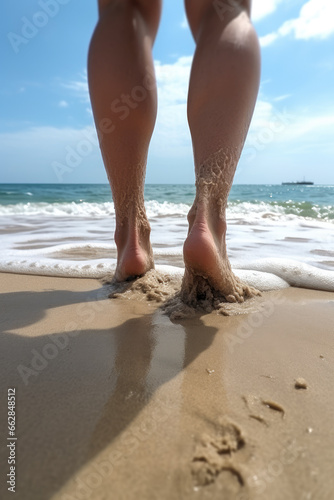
x,y
123,96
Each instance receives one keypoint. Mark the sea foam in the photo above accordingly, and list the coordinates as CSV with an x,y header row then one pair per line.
x,y
264,274
279,211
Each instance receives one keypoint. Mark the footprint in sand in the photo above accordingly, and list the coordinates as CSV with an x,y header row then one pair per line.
x,y
213,454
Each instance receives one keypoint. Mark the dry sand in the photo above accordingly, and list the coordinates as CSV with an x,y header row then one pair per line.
x,y
114,401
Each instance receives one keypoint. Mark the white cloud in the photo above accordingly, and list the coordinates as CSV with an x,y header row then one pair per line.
x,y
172,83
79,87
326,65
268,39
282,97
172,80
273,134
291,137
311,128
262,8
40,147
41,152
283,140
273,127
63,104
184,25
316,20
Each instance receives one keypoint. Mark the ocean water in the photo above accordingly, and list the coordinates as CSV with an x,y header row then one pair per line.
x,y
60,227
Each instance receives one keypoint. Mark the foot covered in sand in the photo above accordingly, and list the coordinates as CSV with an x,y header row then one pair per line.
x,y
208,270
134,252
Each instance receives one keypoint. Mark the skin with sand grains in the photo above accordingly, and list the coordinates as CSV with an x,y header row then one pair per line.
x,y
220,107
208,270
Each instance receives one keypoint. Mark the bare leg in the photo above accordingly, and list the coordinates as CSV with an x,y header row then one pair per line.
x,y
222,93
123,95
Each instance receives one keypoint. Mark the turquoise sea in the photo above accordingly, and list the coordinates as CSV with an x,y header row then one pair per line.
x,y
59,227
307,201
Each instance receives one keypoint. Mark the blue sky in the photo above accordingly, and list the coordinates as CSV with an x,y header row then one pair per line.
x,y
46,115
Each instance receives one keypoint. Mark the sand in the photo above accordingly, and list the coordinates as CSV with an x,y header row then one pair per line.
x,y
116,401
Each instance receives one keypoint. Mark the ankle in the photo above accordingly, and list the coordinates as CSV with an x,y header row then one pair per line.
x,y
209,213
135,231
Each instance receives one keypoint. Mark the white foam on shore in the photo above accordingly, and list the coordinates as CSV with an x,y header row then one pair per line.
x,y
237,210
264,274
90,209
294,273
58,269
81,244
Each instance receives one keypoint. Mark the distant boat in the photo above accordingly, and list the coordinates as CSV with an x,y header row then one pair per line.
x,y
298,183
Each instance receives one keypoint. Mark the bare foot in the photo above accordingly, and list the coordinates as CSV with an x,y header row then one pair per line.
x,y
134,252
205,257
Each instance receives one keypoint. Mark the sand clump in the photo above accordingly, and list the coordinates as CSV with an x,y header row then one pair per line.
x,y
300,383
175,298
152,287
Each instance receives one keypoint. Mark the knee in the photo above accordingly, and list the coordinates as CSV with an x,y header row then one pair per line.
x,y
221,10
200,7
149,10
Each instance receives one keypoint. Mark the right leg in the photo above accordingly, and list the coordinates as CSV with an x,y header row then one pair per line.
x,y
123,96
222,94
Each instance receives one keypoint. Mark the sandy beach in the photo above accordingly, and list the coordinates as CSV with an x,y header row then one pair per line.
x,y
113,400
167,250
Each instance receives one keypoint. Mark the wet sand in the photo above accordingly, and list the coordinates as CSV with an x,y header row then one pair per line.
x,y
113,400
